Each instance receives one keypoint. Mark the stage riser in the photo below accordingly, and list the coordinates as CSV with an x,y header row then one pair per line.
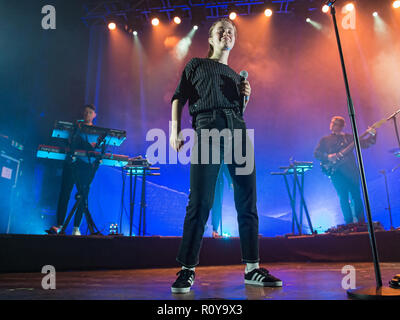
x,y
29,253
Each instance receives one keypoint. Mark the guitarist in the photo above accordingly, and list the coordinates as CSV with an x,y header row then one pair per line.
x,y
345,176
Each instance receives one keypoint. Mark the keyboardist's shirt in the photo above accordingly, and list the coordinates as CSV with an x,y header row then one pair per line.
x,y
80,143
84,145
208,85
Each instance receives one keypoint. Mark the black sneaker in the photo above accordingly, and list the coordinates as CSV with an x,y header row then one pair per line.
x,y
262,277
395,282
184,281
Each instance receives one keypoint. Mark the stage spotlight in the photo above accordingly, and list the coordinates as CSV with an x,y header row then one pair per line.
x,y
315,24
182,48
195,27
349,7
396,4
177,20
268,12
155,22
232,15
380,26
325,8
112,26
134,33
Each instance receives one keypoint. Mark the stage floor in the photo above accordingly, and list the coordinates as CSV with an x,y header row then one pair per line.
x,y
301,281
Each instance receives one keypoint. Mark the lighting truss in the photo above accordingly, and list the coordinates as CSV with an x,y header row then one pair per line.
x,y
125,11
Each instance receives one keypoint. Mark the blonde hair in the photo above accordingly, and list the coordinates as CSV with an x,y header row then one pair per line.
x,y
340,119
210,48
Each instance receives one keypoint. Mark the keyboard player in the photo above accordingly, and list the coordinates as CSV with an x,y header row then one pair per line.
x,y
84,172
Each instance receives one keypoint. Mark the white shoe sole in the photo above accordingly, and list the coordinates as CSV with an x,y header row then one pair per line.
x,y
264,284
180,290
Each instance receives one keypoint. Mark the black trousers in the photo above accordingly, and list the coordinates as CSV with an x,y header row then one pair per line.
x,y
84,172
203,178
346,183
216,210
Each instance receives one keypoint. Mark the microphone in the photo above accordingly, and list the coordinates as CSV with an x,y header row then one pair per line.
x,y
243,76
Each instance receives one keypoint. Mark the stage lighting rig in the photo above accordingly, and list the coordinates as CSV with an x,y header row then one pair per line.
x,y
198,15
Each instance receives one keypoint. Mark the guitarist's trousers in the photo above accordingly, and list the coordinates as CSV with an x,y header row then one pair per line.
x,y
347,184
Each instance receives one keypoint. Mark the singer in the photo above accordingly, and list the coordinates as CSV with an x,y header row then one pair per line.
x,y
217,96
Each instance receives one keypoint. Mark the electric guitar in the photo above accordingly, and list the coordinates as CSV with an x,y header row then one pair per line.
x,y
329,167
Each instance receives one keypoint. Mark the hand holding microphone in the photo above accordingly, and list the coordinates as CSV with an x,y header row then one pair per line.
x,y
244,88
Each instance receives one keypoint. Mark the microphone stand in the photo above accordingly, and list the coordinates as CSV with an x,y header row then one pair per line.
x,y
393,116
378,292
388,199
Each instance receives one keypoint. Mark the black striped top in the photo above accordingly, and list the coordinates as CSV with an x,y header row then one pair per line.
x,y
208,85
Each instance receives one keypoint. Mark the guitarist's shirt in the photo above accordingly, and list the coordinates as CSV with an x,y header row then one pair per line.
x,y
335,143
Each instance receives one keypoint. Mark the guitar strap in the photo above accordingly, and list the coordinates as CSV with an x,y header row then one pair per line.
x,y
345,141
341,143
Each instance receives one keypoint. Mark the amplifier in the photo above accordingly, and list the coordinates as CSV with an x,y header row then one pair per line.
x,y
9,174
